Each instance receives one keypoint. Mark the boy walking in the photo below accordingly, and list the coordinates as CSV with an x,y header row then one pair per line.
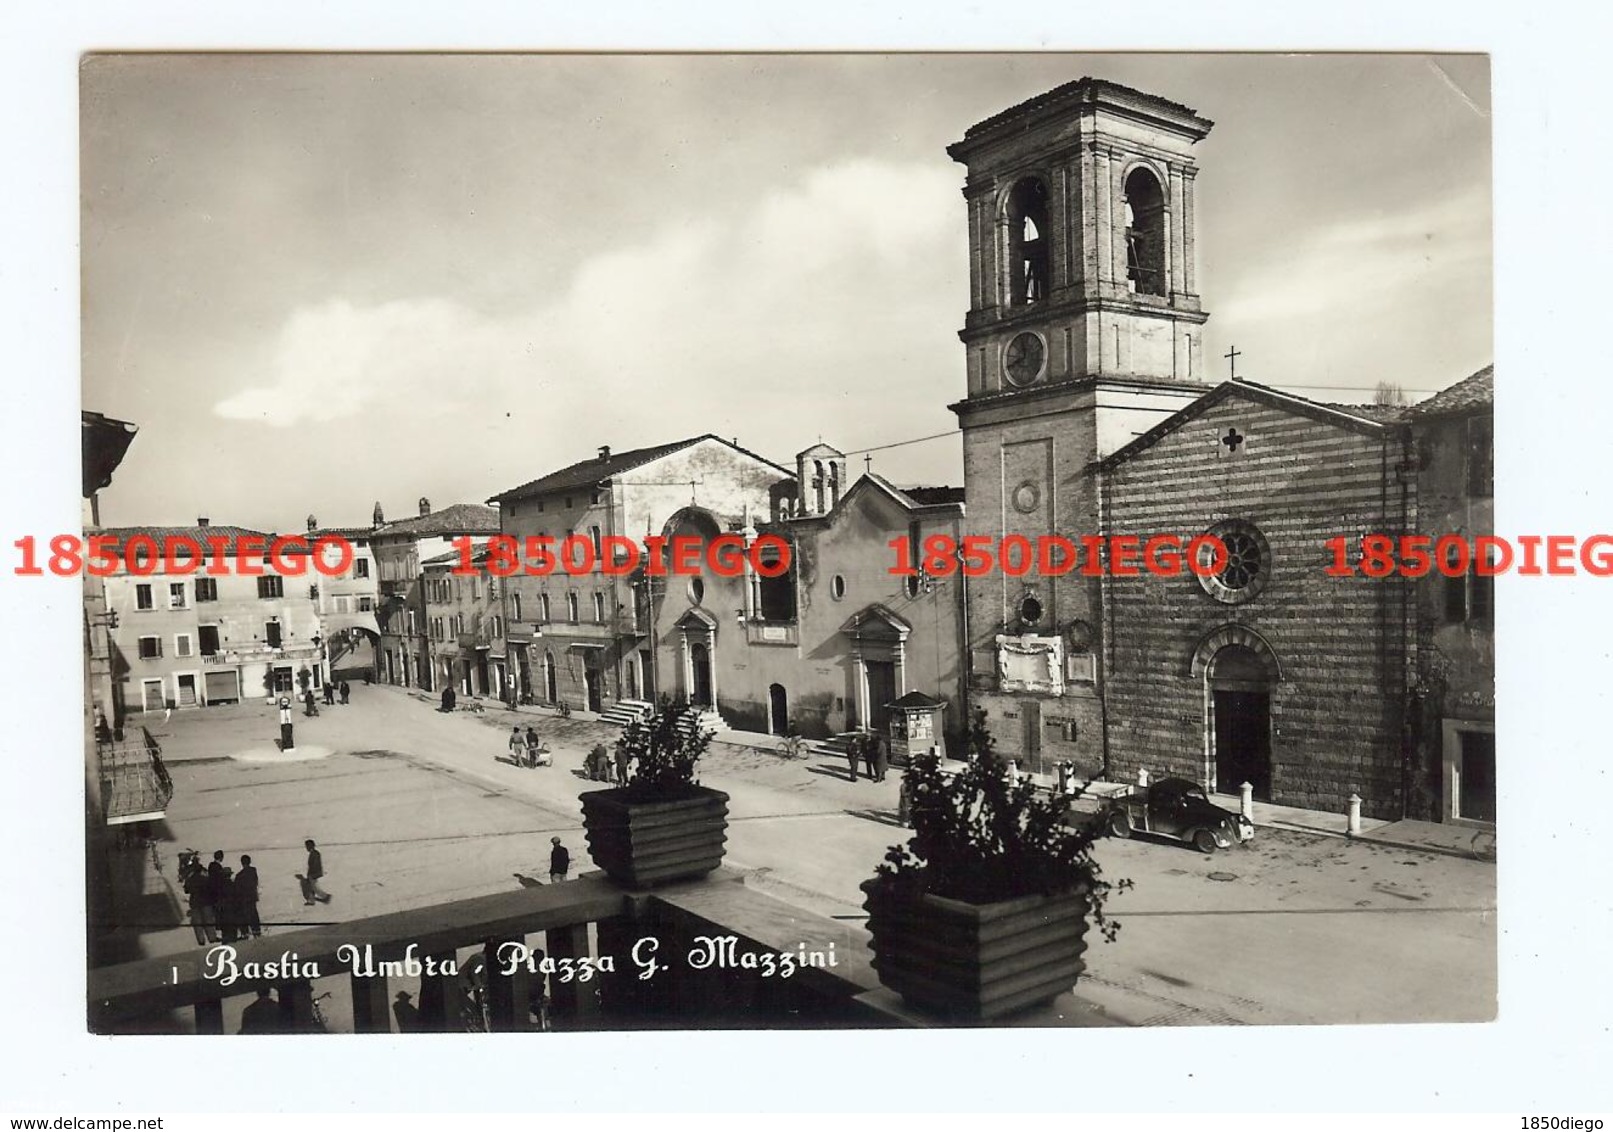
x,y
559,861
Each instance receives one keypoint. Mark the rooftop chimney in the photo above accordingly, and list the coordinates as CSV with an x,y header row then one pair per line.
x,y
201,521
604,453
377,518
313,524
425,506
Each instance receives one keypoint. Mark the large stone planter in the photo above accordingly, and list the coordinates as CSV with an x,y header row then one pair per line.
x,y
641,844
977,961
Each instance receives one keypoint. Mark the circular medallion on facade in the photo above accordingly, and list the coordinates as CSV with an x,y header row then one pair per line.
x,y
1082,636
1027,496
1241,564
1024,358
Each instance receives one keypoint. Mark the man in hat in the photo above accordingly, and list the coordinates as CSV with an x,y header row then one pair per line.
x,y
559,861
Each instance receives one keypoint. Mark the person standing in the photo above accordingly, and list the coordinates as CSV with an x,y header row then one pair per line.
x,y
316,869
622,759
904,802
517,747
330,694
218,894
853,752
407,1014
262,1016
201,921
345,691
559,861
870,745
246,899
881,757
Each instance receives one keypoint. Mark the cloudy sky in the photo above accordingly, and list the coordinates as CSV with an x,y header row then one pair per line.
x,y
318,281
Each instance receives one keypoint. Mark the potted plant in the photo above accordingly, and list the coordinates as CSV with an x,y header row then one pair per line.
x,y
662,825
985,910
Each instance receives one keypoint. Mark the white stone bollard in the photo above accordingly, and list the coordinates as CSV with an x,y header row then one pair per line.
x,y
1246,800
1354,827
1142,777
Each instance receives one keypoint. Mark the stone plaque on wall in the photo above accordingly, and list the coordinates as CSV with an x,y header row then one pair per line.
x,y
1031,664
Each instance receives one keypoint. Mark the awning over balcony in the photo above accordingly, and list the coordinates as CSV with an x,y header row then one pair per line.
x,y
134,783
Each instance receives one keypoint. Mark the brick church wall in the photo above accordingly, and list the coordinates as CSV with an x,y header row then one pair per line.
x,y
1335,714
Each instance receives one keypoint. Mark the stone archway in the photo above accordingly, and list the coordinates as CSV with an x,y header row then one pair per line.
x,y
1240,670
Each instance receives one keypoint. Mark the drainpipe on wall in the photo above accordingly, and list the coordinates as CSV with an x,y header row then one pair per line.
x,y
1410,723
1106,624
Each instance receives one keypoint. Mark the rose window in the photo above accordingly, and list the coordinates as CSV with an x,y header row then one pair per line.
x,y
1240,569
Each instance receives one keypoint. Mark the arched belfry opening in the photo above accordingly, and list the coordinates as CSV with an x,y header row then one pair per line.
x,y
1145,233
820,473
1029,238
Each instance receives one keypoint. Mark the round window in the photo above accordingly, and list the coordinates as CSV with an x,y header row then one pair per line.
x,y
697,590
1234,568
1030,609
837,586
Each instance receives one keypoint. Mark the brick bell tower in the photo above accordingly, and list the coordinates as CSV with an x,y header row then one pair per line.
x,y
1083,331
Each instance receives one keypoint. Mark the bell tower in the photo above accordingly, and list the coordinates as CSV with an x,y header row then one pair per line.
x,y
1081,234
1083,331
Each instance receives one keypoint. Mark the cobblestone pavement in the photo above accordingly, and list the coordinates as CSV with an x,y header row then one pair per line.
x,y
413,806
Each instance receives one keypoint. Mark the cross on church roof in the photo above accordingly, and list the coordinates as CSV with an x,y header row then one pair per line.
x,y
1232,357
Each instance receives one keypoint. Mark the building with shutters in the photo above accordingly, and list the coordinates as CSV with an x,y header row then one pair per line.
x,y
189,640
465,624
403,648
586,637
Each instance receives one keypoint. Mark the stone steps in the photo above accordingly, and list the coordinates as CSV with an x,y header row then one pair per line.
x,y
623,712
700,720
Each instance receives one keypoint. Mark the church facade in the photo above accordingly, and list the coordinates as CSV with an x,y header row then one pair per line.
x,y
1088,412
1271,670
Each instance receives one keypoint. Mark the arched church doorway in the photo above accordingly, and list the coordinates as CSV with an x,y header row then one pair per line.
x,y
699,675
1240,711
778,711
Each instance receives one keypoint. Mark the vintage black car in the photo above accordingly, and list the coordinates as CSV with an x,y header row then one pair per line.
x,y
1175,807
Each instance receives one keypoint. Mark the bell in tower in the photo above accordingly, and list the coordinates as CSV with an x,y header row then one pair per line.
x,y
1081,240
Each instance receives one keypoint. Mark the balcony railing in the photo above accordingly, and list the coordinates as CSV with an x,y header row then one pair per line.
x,y
831,982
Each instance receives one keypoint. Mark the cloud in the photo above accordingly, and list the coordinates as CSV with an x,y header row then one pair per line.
x,y
1397,257
713,303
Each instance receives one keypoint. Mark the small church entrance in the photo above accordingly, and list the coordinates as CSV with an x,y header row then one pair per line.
x,y
700,675
881,694
778,711
1240,703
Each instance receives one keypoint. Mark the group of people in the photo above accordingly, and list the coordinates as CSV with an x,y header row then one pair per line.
x,y
601,767
331,690
528,749
873,751
223,904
